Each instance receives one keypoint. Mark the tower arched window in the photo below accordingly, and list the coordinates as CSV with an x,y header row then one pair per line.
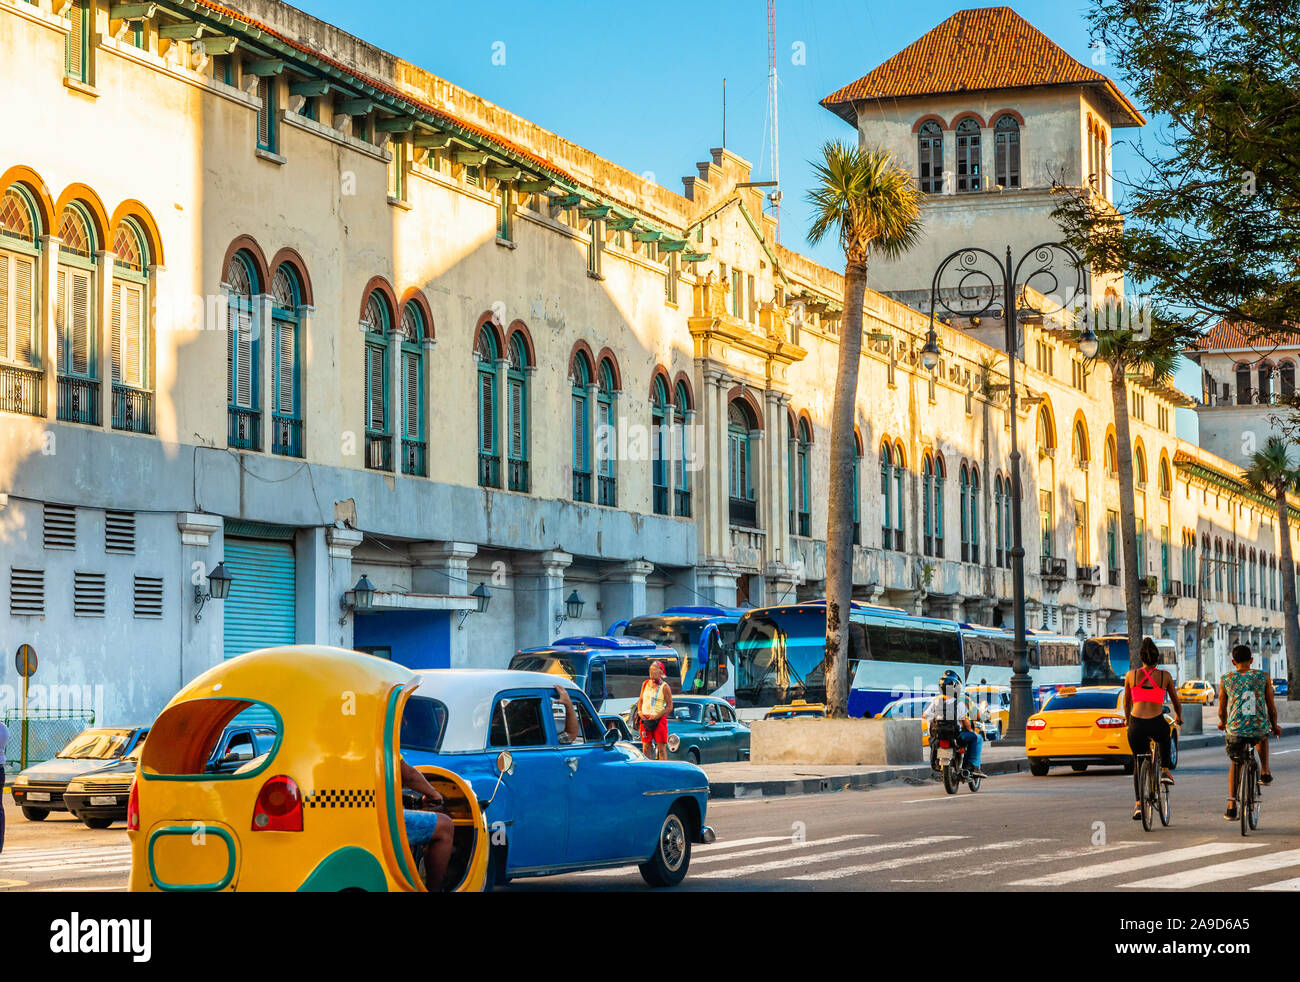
x,y
974,515
414,444
1080,448
661,465
243,355
1006,151
741,426
963,484
606,436
997,520
286,367
1286,379
1110,462
20,336
682,412
580,404
517,477
377,323
130,332
1265,382
900,476
487,358
75,318
968,155
929,152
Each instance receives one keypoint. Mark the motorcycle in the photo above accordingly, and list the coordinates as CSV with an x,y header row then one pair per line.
x,y
948,756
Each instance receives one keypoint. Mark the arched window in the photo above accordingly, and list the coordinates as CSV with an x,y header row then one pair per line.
x,y
886,484
929,152
1006,151
661,465
517,477
487,357
20,335
1218,569
606,436
414,445
805,479
963,479
998,520
1140,466
1286,372
243,355
1241,575
286,370
857,477
580,400
1080,447
1265,382
378,324
1110,462
743,495
974,515
75,318
129,331
940,477
791,472
1163,478
900,471
682,413
1244,395
968,155
1046,433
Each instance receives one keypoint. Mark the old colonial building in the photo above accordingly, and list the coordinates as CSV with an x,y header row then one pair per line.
x,y
270,296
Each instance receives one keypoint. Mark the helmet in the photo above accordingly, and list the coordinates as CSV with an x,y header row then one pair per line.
x,y
949,680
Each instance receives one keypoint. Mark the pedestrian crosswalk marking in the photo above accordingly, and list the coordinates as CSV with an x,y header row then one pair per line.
x,y
930,857
1130,863
105,859
1221,871
725,844
786,845
998,865
803,859
1283,886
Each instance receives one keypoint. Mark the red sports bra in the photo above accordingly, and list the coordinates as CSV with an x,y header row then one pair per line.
x,y
1147,690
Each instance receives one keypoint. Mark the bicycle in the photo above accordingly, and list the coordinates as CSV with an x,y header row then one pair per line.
x,y
1153,793
1248,788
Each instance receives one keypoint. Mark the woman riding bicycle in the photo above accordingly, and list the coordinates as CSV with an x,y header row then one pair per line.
x,y
1145,688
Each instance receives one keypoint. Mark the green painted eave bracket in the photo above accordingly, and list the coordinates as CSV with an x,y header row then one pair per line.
x,y
426,140
310,87
263,66
594,211
471,158
649,235
565,200
620,223
395,124
695,257
540,186
131,11
672,245
220,45
354,107
502,172
184,31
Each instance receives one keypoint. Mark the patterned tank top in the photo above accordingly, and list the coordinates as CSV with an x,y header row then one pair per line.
x,y
1247,703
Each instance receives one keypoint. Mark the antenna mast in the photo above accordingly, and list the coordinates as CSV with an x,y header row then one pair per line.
x,y
774,196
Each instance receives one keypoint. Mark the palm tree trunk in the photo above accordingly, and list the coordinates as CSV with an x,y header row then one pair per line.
x,y
1127,511
839,522
1290,626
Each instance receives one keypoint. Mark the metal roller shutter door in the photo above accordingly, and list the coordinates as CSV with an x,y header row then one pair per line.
x,y
259,610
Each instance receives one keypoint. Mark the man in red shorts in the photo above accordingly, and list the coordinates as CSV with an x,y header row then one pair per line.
x,y
653,707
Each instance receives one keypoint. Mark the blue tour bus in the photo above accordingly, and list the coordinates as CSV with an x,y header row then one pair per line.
x,y
704,638
610,670
1106,658
989,654
892,655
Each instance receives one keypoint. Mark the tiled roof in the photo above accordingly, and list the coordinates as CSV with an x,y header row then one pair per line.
x,y
975,50
520,153
1232,336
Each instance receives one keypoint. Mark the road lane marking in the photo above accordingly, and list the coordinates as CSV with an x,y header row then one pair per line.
x,y
755,840
1220,871
82,889
987,869
886,864
82,868
805,859
39,854
786,845
1282,886
1122,866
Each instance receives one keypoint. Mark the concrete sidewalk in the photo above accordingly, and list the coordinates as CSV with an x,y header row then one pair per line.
x,y
745,780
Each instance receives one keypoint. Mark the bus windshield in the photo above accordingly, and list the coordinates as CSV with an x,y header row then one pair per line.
x,y
682,634
779,655
552,664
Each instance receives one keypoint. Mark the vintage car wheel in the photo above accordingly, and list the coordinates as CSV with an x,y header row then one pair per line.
x,y
667,867
97,823
1037,766
35,814
693,756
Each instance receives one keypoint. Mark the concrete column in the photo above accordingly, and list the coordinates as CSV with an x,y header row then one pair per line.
x,y
539,596
103,339
47,283
441,567
339,543
713,514
312,588
775,454
956,608
716,584
985,608
201,640
622,591
682,590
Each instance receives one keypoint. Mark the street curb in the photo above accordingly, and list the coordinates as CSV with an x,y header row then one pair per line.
x,y
730,790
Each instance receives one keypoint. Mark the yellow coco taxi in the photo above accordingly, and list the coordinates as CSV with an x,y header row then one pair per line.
x,y
1082,726
1197,691
320,811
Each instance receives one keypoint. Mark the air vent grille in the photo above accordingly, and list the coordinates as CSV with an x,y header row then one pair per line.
x,y
119,532
27,591
60,527
88,591
149,597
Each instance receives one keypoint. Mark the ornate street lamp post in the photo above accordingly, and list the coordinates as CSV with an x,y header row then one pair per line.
x,y
976,277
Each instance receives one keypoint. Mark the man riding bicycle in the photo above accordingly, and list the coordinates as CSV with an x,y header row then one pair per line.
x,y
950,705
1245,694
1145,688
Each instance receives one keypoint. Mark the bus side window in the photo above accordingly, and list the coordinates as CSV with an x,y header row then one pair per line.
x,y
859,649
596,681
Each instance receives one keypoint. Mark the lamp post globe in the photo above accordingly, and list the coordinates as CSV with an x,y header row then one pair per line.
x,y
363,592
219,581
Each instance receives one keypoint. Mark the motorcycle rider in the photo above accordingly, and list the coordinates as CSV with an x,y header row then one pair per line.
x,y
950,705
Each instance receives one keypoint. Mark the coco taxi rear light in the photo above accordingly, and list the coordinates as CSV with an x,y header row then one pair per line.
x,y
1110,722
279,806
1036,723
133,806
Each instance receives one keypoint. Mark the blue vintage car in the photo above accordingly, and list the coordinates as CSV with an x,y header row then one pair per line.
x,y
705,730
591,803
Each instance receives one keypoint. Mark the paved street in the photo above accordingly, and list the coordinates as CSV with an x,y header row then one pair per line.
x,y
1018,833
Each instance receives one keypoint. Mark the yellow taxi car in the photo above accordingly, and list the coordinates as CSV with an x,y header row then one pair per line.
x,y
796,707
1197,691
321,810
1080,726
995,701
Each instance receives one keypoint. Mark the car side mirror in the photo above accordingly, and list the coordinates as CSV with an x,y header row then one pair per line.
x,y
611,737
505,762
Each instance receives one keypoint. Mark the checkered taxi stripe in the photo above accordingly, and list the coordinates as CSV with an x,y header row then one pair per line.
x,y
340,798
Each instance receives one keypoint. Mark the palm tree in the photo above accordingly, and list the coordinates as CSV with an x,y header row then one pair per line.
x,y
1271,472
871,203
1150,356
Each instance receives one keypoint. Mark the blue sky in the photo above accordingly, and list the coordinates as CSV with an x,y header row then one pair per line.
x,y
641,83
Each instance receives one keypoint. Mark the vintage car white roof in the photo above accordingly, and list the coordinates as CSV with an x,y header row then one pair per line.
x,y
469,694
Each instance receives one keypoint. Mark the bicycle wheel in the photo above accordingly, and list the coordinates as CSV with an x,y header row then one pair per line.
x,y
1244,794
1148,798
1255,796
1162,790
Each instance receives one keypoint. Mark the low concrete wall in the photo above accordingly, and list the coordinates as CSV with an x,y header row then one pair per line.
x,y
835,741
1193,721
1288,711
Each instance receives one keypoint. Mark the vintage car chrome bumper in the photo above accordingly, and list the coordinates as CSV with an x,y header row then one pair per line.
x,y
707,835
